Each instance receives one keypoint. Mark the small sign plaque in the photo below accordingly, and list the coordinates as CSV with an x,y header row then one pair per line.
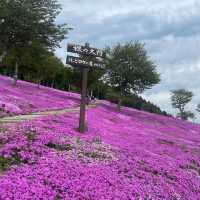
x,y
84,50
80,62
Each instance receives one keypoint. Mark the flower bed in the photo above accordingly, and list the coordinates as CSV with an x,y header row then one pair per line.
x,y
131,155
26,97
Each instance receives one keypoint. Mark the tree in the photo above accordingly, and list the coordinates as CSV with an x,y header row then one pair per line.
x,y
185,115
198,108
180,98
130,69
50,66
23,22
37,64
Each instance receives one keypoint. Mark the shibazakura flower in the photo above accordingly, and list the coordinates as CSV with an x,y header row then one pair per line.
x,y
132,155
27,97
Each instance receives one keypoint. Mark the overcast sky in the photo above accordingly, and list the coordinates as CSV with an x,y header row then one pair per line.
x,y
170,29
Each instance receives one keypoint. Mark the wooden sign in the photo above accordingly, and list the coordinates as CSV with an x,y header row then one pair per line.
x,y
81,62
87,59
85,50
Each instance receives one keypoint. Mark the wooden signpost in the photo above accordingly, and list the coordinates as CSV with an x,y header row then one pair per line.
x,y
87,59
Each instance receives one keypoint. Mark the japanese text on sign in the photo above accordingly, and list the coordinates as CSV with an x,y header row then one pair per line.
x,y
83,50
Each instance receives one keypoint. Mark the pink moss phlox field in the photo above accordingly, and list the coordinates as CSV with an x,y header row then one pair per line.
x,y
26,97
131,155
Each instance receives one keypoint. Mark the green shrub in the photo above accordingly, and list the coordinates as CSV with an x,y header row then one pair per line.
x,y
6,163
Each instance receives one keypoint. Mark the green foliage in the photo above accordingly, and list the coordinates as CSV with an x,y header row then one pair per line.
x,y
96,155
60,147
31,135
37,64
67,78
28,30
112,97
137,102
6,163
130,69
101,89
198,108
3,129
49,68
180,98
24,21
185,115
94,77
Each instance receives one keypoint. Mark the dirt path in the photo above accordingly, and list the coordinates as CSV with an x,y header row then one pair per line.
x,y
20,118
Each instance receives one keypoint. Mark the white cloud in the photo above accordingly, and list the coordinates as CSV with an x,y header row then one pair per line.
x,y
162,99
169,28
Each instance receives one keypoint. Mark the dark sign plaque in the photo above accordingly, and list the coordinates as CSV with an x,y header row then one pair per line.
x,y
81,62
85,50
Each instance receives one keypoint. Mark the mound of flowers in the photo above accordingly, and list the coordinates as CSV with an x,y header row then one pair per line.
x,y
26,97
130,155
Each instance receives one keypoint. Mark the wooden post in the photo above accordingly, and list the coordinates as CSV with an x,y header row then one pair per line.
x,y
82,120
16,74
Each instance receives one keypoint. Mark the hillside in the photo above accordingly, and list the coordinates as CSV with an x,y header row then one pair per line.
x,y
26,98
132,155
